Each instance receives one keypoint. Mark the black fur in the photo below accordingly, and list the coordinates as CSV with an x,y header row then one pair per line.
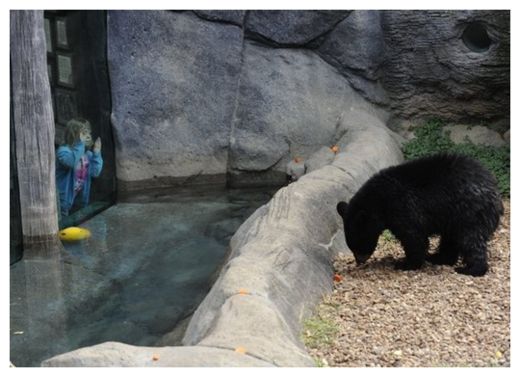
x,y
449,195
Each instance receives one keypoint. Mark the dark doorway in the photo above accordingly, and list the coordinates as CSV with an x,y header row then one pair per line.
x,y
78,73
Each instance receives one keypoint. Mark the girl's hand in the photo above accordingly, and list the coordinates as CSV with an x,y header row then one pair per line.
x,y
97,145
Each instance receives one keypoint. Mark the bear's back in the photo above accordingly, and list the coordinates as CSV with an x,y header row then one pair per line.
x,y
440,172
445,188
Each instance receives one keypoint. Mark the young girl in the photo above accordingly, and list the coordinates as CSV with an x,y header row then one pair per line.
x,y
76,165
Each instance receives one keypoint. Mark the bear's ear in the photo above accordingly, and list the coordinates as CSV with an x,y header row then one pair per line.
x,y
342,208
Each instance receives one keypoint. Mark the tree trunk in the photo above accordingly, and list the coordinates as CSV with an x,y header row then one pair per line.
x,y
34,129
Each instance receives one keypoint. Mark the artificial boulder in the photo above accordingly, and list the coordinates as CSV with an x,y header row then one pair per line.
x,y
174,79
434,68
479,135
356,47
232,16
198,94
290,104
289,27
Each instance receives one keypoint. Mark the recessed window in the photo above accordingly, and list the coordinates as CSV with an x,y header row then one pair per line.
x,y
65,70
48,38
61,33
476,37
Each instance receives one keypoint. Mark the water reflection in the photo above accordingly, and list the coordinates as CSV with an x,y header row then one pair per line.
x,y
146,267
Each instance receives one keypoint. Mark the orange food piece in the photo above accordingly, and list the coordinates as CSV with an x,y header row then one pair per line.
x,y
243,291
335,148
155,357
338,277
240,350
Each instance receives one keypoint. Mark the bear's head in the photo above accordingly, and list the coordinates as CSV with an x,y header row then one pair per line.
x,y
362,230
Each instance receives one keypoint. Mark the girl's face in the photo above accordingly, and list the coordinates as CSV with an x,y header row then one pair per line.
x,y
86,137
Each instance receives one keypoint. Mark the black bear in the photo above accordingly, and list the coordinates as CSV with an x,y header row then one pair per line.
x,y
449,195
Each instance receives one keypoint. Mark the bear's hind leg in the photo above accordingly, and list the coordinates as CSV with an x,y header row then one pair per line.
x,y
473,248
446,254
415,248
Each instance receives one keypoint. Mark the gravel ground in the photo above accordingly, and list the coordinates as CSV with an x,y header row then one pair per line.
x,y
377,316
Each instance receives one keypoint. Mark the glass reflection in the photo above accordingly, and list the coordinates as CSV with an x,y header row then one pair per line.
x,y
78,160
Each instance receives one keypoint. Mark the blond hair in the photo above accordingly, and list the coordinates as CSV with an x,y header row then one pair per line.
x,y
74,127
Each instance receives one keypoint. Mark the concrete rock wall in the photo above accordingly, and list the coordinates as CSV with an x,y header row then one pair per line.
x,y
174,80
289,104
198,96
429,70
291,28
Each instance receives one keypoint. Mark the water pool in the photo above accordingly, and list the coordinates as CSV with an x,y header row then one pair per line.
x,y
148,264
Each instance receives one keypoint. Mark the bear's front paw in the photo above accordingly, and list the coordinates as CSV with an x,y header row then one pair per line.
x,y
406,265
473,271
441,259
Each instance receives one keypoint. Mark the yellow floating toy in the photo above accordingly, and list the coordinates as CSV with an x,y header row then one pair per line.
x,y
74,233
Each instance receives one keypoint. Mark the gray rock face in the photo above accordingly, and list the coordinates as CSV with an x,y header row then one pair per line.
x,y
174,81
198,95
481,135
289,104
233,16
356,46
287,27
281,93
429,71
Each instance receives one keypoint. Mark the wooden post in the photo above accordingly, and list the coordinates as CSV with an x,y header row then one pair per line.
x,y
34,130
